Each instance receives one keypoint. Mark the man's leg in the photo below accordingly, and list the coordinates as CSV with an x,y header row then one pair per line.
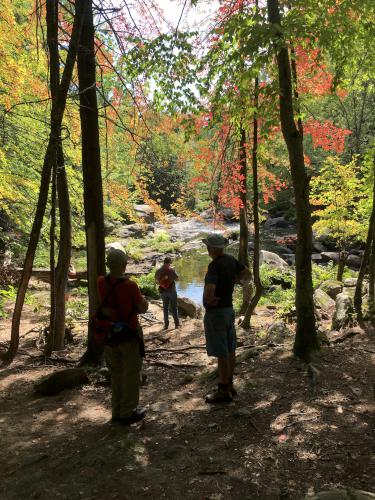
x,y
174,308
112,358
223,366
165,299
131,365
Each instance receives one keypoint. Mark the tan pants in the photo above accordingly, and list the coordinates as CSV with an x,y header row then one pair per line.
x,y
125,364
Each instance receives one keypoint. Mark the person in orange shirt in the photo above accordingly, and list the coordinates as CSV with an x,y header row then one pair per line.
x,y
122,301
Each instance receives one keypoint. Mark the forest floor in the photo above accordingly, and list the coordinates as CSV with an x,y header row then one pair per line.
x,y
282,438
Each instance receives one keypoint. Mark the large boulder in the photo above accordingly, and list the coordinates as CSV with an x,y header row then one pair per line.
x,y
322,300
331,256
58,381
145,212
279,332
227,214
354,261
187,307
331,287
277,222
115,245
343,311
318,246
350,282
272,259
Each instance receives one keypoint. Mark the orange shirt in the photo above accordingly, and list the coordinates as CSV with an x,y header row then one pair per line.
x,y
124,299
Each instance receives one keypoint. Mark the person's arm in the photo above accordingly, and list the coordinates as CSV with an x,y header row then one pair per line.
x,y
141,303
211,280
209,294
175,275
142,306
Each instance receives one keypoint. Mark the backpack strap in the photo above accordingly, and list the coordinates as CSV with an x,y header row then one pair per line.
x,y
112,289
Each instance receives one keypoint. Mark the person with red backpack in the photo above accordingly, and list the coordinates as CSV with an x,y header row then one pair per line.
x,y
166,278
121,301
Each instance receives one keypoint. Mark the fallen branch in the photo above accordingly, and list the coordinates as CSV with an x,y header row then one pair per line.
x,y
166,364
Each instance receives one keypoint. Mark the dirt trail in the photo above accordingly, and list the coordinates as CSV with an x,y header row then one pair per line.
x,y
277,440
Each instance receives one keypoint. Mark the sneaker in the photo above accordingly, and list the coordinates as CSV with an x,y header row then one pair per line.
x,y
136,416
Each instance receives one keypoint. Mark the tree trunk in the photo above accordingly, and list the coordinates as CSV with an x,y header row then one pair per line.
x,y
371,289
365,257
343,255
54,82
91,168
57,112
306,339
256,259
65,252
243,251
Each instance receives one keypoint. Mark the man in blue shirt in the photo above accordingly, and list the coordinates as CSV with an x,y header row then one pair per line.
x,y
222,274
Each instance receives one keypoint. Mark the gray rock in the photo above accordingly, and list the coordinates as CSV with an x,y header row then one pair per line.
x,y
331,256
354,261
322,300
350,282
277,332
316,257
227,214
331,287
187,307
277,222
115,245
145,212
272,259
319,247
343,311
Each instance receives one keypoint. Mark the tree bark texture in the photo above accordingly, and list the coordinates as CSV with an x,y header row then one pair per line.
x,y
365,257
256,259
306,339
57,112
243,251
91,168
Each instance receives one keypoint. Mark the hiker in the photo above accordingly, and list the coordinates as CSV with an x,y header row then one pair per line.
x,y
121,300
166,277
222,274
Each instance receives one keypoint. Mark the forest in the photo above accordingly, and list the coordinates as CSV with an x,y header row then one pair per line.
x,y
142,128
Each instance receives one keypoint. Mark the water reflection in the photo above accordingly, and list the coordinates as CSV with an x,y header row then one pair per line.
x,y
191,269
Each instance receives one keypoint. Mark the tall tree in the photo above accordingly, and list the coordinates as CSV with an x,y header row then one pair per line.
x,y
59,278
306,339
57,113
91,165
256,259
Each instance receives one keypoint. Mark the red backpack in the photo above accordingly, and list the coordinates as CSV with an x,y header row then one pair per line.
x,y
102,325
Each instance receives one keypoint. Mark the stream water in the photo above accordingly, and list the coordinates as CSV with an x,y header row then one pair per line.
x,y
191,267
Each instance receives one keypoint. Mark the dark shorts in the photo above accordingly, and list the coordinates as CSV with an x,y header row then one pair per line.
x,y
220,332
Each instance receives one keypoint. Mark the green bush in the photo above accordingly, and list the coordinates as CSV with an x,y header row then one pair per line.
x,y
147,284
6,294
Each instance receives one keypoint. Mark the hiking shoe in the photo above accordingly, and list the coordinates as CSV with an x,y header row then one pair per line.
x,y
136,416
165,327
218,397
